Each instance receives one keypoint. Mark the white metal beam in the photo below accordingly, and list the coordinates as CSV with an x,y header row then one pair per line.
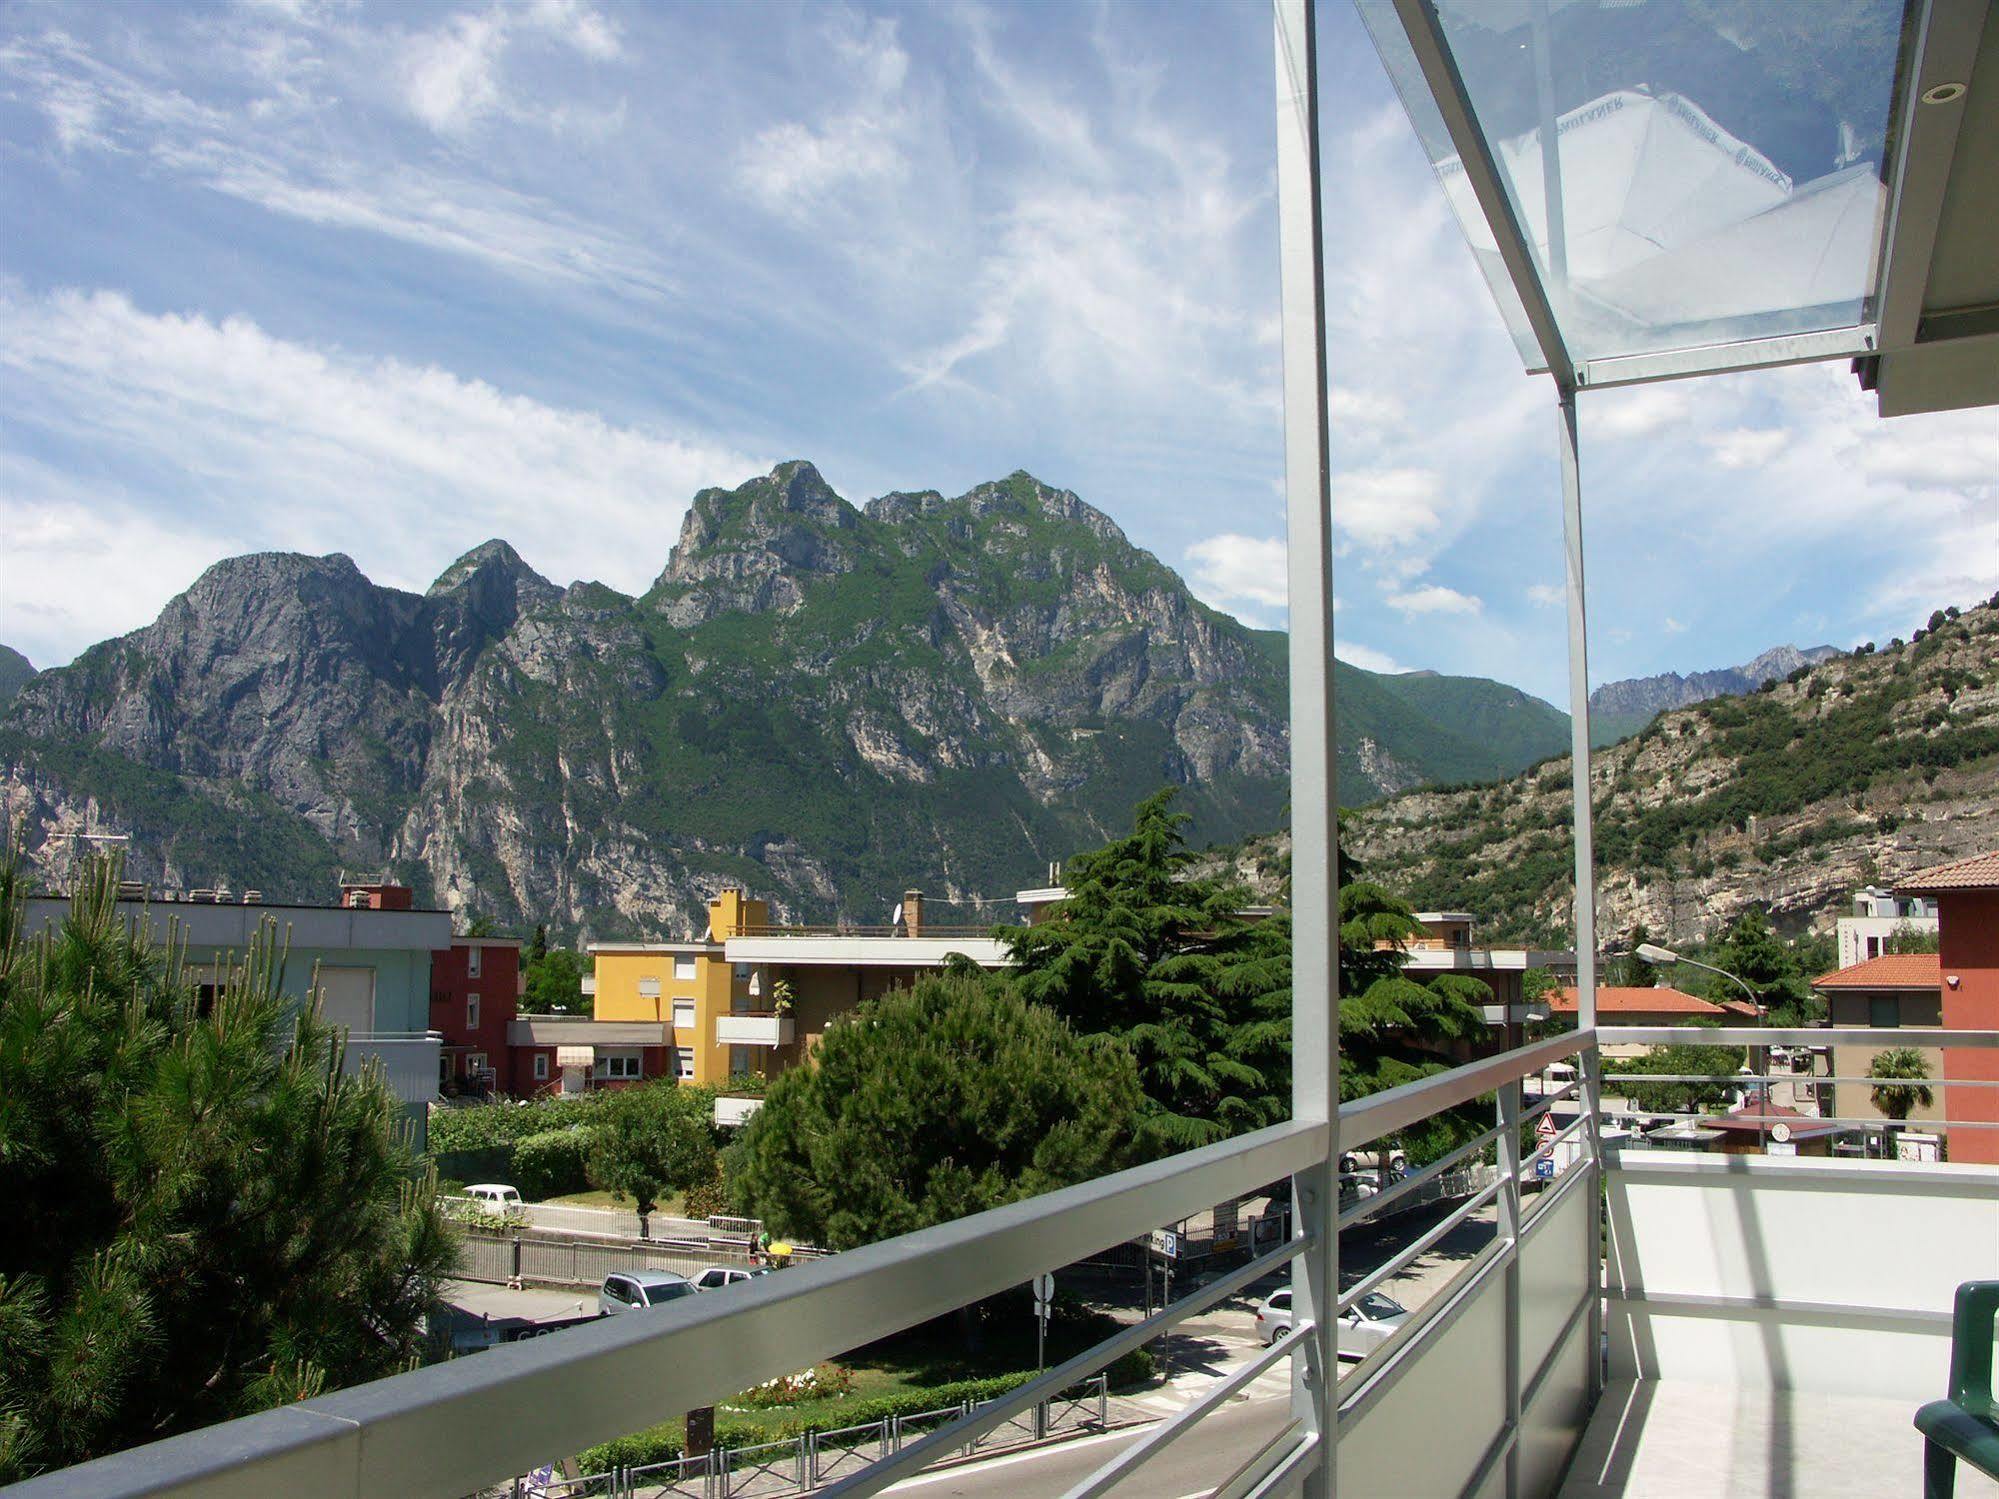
x,y
1315,1042
1425,31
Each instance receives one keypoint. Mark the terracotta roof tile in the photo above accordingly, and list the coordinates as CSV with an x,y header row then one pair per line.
x,y
1892,970
1622,1001
1980,872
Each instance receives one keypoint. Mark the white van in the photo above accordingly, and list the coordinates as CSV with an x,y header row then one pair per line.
x,y
496,1197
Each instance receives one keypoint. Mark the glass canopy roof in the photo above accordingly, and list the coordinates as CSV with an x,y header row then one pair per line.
x,y
1684,173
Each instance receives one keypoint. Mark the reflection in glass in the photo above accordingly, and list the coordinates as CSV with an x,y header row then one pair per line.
x,y
1717,170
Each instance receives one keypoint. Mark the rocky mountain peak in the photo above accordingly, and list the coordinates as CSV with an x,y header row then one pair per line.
x,y
15,673
1021,494
744,549
487,563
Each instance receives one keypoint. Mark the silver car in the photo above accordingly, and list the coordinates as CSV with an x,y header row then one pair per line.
x,y
635,1290
1367,1324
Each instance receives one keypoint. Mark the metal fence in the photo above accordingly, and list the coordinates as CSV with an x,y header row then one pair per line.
x,y
814,1459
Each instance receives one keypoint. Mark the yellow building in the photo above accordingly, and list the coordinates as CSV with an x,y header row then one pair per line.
x,y
754,999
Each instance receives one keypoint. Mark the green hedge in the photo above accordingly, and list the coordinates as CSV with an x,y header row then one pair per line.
x,y
493,1124
668,1440
554,1163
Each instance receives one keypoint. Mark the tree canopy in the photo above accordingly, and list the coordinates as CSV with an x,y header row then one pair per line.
x,y
552,980
208,1217
1163,961
652,1140
1393,1029
930,1103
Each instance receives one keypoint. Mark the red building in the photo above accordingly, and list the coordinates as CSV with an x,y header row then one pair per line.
x,y
1967,897
475,990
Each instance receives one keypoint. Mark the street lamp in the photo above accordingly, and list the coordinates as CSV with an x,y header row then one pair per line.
x,y
1651,952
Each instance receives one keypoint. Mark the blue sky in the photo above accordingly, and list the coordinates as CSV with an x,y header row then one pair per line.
x,y
389,280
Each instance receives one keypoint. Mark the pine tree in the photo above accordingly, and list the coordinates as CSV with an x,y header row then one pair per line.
x,y
208,1217
1164,962
930,1103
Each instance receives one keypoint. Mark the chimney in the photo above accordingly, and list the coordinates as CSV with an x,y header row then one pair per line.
x,y
912,912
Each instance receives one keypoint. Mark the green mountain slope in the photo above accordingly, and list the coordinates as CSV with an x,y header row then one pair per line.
x,y
1857,770
825,702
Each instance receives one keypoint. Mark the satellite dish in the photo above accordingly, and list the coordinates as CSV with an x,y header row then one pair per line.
x,y
1780,1132
896,919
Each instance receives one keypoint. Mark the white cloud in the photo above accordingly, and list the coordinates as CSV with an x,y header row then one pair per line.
x,y
1434,598
1386,508
295,168
1673,626
1232,570
1369,659
1636,411
285,445
797,169
1747,447
1547,595
453,74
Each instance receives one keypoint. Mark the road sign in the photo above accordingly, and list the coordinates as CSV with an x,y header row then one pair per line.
x,y
1544,1168
1547,1129
1044,1288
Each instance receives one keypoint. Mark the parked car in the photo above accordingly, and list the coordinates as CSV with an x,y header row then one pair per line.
x,y
715,1277
634,1290
1368,1323
497,1197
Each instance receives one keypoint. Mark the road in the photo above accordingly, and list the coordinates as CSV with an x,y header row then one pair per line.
x,y
1193,1465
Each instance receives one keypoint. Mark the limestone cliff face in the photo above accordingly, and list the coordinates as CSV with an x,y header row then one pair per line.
x,y
825,702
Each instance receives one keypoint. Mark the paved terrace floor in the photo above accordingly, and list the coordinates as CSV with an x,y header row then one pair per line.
x,y
1674,1439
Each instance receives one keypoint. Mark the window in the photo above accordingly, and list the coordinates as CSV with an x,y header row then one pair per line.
x,y
471,1012
1873,947
683,968
618,1064
649,988
444,1068
476,1063
742,973
472,959
683,1014
742,1060
1884,1011
541,1066
683,1063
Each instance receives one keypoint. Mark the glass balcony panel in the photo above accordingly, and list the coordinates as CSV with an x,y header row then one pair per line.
x,y
1719,169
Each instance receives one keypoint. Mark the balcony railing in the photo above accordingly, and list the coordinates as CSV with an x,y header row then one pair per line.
x,y
409,1060
1783,1274
753,1028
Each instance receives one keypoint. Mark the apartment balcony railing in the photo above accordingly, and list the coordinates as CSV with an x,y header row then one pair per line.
x,y
925,929
1796,1279
409,1061
731,1111
753,1028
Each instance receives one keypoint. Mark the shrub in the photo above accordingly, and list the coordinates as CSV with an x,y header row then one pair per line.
x,y
554,1162
505,1123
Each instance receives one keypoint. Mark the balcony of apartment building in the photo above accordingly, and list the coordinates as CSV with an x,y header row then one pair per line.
x,y
754,1027
1648,1321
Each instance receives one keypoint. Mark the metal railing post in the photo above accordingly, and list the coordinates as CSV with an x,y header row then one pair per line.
x,y
1315,1041
812,1469
1509,1231
1584,814
801,1460
1103,1400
